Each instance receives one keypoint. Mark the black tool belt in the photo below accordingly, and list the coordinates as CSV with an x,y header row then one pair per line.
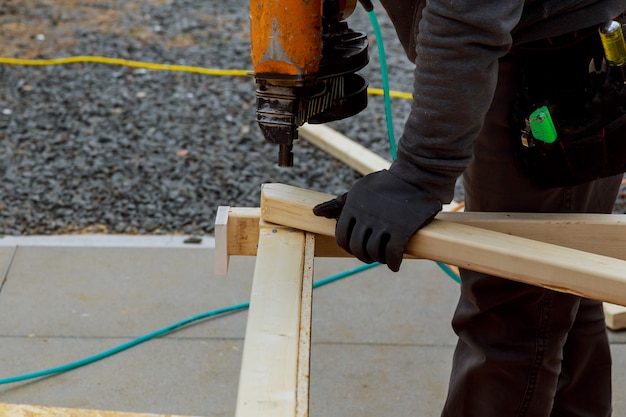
x,y
585,104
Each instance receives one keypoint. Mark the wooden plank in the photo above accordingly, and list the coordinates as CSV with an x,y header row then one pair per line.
x,y
356,156
304,353
269,367
615,316
236,234
243,235
602,234
22,410
520,259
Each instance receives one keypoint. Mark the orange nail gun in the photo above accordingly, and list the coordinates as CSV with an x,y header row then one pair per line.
x,y
305,62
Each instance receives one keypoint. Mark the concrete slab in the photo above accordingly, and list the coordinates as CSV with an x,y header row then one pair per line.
x,y
68,303
115,292
165,376
382,342
379,307
378,380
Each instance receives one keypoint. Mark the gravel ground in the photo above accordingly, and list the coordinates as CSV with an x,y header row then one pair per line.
x,y
110,149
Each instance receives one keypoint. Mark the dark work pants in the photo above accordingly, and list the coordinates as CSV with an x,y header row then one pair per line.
x,y
524,350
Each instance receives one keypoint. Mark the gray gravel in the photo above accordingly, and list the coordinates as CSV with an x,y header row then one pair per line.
x,y
99,148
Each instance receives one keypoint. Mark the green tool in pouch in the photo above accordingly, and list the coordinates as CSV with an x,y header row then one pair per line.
x,y
540,124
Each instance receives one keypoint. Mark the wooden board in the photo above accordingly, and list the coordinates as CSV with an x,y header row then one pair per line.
x,y
520,259
306,315
615,316
21,410
241,235
356,156
603,234
236,233
270,374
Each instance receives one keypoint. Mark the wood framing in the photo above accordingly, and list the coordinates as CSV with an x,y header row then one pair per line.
x,y
520,259
237,234
20,410
275,364
602,234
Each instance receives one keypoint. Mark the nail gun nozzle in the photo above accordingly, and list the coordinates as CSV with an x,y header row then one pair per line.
x,y
285,155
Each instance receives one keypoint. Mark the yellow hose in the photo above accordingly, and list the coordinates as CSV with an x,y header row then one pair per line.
x,y
392,93
124,62
159,67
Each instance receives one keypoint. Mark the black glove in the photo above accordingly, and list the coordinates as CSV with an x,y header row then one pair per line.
x,y
379,214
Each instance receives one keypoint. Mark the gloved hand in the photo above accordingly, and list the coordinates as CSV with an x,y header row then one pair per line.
x,y
379,214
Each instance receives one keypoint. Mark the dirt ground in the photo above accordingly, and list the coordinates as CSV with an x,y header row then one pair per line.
x,y
39,28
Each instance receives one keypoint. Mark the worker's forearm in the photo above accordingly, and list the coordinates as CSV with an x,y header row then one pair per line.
x,y
455,76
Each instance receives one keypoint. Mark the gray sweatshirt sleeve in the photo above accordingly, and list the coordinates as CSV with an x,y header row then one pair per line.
x,y
457,51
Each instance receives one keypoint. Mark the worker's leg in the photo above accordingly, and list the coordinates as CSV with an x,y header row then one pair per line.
x,y
584,387
586,360
515,340
508,357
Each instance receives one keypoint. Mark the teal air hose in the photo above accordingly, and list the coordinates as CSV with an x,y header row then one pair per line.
x,y
385,81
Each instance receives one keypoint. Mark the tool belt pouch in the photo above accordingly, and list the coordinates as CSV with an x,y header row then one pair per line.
x,y
586,103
